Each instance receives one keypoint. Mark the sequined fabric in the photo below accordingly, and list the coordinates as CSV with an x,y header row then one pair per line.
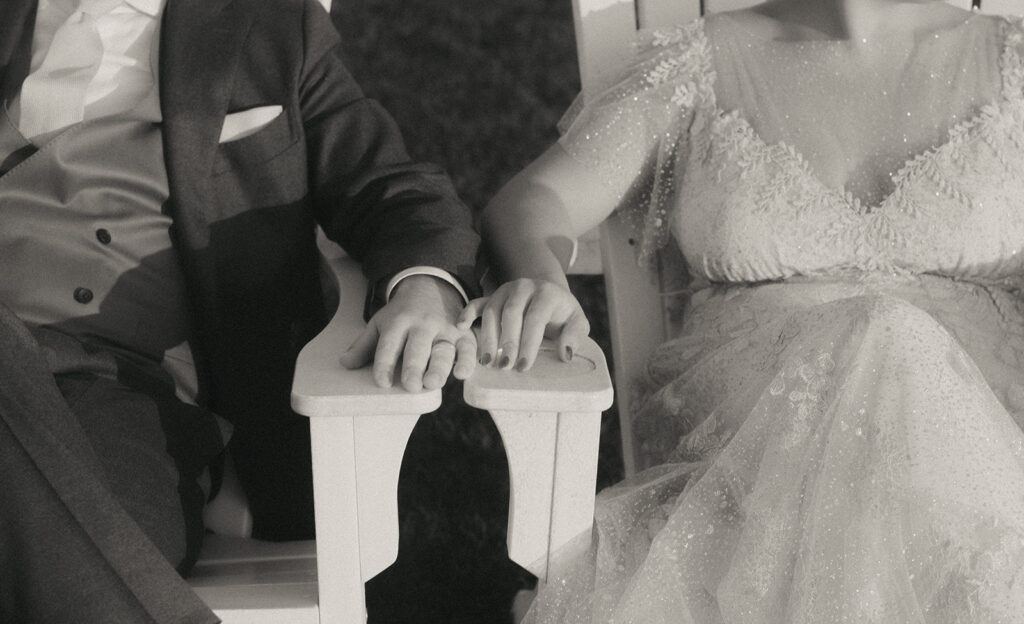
x,y
836,433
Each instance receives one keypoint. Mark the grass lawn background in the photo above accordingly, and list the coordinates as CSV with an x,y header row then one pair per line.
x,y
476,86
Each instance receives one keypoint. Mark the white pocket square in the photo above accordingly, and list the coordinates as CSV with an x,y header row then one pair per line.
x,y
243,123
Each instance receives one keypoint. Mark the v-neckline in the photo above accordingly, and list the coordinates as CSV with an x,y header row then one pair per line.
x,y
953,135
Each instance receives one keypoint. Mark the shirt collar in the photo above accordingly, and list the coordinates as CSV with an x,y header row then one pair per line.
x,y
152,8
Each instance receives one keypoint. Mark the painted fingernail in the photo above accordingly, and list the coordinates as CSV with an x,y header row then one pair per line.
x,y
504,361
568,353
485,359
521,365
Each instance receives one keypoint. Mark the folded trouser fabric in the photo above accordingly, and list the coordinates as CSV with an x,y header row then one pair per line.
x,y
98,488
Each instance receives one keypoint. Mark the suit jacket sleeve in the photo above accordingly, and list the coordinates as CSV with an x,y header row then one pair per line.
x,y
385,210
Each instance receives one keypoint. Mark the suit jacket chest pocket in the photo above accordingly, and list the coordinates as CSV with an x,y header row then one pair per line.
x,y
261,155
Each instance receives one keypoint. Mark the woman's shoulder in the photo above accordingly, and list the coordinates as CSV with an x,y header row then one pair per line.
x,y
684,51
1011,58
1014,25
674,60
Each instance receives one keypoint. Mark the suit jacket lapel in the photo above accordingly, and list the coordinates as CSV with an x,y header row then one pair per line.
x,y
200,43
17,22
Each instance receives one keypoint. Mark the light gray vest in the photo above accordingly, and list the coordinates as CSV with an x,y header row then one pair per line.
x,y
84,243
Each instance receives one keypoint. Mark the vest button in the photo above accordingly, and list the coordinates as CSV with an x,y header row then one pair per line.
x,y
103,236
83,295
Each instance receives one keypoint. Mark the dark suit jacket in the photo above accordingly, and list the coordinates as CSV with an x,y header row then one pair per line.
x,y
244,212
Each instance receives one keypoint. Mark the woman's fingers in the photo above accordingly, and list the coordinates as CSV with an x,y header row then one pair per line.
x,y
573,332
512,322
470,313
517,317
535,324
490,329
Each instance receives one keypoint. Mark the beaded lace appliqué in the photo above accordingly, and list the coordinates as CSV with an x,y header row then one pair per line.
x,y
775,179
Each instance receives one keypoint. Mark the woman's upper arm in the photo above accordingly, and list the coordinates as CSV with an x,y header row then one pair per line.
x,y
557,181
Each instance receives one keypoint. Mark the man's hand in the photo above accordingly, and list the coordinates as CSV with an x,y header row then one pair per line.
x,y
416,327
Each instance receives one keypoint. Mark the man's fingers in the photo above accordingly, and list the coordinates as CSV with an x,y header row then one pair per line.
x,y
389,348
465,357
360,351
442,358
415,357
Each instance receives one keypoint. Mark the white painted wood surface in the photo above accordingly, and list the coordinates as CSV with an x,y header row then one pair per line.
x,y
634,319
1003,7
246,581
550,423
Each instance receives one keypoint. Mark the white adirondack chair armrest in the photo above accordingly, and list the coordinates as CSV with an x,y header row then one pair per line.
x,y
322,387
582,385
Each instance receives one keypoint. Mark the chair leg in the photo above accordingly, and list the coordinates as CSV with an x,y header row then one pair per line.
x,y
380,447
356,461
530,442
341,596
552,473
575,482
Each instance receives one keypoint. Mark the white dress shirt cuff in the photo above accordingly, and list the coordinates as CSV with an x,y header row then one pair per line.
x,y
425,270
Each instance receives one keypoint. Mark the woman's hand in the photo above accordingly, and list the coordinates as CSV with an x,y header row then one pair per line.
x,y
518,316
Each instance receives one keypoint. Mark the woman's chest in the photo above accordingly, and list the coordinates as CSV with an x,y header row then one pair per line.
x,y
748,210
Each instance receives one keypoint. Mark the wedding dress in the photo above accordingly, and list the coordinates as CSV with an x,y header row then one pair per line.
x,y
836,433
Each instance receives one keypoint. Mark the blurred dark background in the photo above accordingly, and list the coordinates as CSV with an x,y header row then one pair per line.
x,y
476,86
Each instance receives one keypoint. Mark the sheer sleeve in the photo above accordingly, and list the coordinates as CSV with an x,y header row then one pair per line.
x,y
635,134
1012,61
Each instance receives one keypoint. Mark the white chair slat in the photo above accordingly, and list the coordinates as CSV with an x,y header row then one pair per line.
x,y
530,443
652,12
634,319
246,581
575,477
1000,7
603,27
380,446
337,520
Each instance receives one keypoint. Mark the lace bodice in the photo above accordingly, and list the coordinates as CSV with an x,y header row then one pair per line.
x,y
744,209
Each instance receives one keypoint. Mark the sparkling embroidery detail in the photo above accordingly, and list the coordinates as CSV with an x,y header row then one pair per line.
x,y
775,183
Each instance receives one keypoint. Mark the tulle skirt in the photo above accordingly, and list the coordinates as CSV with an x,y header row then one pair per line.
x,y
819,453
